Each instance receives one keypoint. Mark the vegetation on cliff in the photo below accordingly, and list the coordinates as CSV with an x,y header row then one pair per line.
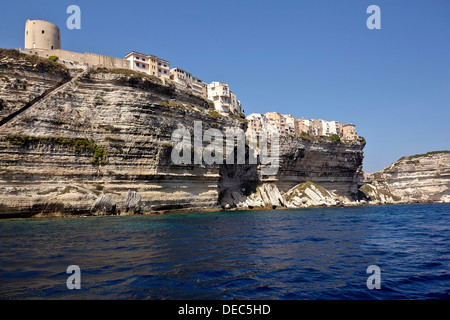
x,y
34,62
79,144
423,155
336,139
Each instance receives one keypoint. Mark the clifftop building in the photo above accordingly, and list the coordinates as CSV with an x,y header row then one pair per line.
x,y
186,81
225,101
149,64
42,35
43,38
286,125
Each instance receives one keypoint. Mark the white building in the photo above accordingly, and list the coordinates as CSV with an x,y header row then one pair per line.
x,y
149,64
186,81
224,100
163,68
140,62
289,124
256,123
181,78
332,127
199,87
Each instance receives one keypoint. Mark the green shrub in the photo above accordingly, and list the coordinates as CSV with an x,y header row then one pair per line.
x,y
335,138
362,141
135,76
53,58
213,113
37,63
303,135
79,144
172,104
241,115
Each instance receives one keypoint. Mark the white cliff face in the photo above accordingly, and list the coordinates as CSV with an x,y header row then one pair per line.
x,y
266,196
378,194
23,78
304,195
419,178
310,194
102,143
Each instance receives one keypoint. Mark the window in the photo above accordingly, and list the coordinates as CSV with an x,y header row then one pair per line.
x,y
165,71
143,59
159,63
137,64
159,70
42,31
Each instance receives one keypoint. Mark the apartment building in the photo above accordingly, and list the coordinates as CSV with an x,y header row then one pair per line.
x,y
163,67
316,128
224,99
181,78
289,124
324,128
333,128
256,123
349,132
236,104
186,81
302,125
198,87
274,116
148,64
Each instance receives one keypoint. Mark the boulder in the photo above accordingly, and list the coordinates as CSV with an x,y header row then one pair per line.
x,y
103,205
133,202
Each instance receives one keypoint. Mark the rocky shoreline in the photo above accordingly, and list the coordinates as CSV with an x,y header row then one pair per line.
x,y
123,214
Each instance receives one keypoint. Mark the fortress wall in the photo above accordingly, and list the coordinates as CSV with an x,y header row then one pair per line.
x,y
82,60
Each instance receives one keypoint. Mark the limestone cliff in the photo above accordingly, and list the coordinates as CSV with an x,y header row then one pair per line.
x,y
418,178
101,141
334,166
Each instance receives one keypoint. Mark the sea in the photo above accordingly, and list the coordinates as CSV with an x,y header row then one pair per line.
x,y
385,252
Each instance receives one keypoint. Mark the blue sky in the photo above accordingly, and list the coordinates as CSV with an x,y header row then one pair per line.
x,y
309,58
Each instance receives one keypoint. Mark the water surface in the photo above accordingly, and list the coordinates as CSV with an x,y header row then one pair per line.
x,y
275,254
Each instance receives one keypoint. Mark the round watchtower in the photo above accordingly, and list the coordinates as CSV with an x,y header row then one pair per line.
x,y
42,35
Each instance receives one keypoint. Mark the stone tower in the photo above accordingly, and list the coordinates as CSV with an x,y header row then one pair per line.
x,y
42,35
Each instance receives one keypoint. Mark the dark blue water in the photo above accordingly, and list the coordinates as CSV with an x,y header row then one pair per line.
x,y
275,254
